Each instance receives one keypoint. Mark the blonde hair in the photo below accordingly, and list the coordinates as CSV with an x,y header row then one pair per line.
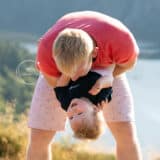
x,y
71,47
91,130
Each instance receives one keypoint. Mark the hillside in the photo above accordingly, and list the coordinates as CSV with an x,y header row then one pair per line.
x,y
27,19
37,16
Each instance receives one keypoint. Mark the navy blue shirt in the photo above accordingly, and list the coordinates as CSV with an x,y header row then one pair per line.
x,y
80,88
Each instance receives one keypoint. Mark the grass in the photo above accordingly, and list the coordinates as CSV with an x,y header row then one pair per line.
x,y
14,136
13,144
63,153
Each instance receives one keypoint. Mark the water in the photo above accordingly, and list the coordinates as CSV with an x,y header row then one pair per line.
x,y
145,84
31,47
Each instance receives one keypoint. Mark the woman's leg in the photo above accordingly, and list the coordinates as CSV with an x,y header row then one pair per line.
x,y
45,118
39,147
127,146
119,115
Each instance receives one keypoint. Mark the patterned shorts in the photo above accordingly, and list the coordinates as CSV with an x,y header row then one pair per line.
x,y
46,115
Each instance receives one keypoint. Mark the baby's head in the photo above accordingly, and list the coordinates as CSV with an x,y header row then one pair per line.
x,y
86,119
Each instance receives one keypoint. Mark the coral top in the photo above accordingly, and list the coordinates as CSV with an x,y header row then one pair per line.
x,y
115,42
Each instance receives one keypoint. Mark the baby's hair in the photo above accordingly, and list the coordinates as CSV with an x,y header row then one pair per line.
x,y
90,130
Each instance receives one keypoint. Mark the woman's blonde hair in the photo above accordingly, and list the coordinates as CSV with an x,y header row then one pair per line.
x,y
71,47
91,129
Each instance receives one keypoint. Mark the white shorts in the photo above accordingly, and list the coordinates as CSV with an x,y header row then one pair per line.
x,y
44,115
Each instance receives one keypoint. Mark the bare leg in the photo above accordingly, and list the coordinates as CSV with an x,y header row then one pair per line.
x,y
127,146
39,147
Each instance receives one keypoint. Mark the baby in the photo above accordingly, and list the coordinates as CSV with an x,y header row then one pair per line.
x,y
83,109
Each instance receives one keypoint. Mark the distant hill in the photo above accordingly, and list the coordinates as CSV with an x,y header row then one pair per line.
x,y
36,16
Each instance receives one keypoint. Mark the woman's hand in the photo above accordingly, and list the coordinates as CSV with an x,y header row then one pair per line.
x,y
102,82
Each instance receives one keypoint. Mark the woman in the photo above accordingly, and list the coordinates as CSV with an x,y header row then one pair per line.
x,y
75,44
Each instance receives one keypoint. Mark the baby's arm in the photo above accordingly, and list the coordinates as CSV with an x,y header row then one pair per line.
x,y
103,82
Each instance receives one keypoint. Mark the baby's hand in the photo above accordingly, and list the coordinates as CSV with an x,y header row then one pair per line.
x,y
102,104
102,82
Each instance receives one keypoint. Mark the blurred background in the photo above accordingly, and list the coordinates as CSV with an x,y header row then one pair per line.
x,y
22,22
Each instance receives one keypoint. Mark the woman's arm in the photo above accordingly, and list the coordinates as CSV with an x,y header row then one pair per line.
x,y
106,80
52,81
121,68
63,81
56,81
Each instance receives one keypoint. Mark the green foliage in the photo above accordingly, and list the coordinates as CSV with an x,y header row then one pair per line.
x,y
12,90
11,55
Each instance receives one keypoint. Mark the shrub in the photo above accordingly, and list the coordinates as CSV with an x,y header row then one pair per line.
x,y
13,133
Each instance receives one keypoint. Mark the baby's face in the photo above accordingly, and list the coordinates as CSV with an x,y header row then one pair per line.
x,y
80,109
